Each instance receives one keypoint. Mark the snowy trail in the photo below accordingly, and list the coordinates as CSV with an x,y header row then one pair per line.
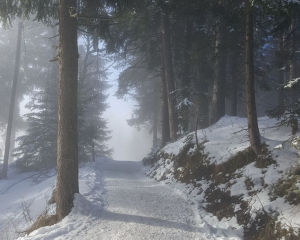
x,y
139,208
120,202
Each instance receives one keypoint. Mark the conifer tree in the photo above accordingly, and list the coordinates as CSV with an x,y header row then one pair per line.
x,y
37,149
92,127
286,30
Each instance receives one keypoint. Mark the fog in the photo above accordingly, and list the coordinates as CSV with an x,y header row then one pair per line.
x,y
127,142
36,50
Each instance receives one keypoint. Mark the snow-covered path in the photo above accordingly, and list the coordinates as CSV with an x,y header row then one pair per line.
x,y
118,201
139,208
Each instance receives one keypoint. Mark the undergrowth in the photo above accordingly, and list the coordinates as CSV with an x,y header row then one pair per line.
x,y
43,220
287,188
192,165
46,218
220,202
266,227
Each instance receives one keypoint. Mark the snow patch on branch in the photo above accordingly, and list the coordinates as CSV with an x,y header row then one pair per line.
x,y
292,83
185,102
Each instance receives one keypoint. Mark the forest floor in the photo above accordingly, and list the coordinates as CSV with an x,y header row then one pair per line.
x,y
118,201
216,190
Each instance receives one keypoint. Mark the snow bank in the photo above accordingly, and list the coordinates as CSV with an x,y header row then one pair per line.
x,y
34,190
248,183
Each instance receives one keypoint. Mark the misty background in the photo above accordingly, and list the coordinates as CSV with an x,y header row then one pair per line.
x,y
127,142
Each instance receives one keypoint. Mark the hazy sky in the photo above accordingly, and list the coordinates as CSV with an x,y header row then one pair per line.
x,y
128,143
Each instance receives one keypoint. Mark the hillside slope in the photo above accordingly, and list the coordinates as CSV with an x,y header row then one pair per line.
x,y
226,179
217,190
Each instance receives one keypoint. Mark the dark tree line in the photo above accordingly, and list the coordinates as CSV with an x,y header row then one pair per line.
x,y
213,58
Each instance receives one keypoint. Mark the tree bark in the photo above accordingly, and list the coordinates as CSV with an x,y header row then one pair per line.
x,y
234,83
204,89
293,75
155,115
170,82
54,69
93,151
186,75
12,105
164,105
253,130
293,61
218,95
281,65
204,109
12,143
67,145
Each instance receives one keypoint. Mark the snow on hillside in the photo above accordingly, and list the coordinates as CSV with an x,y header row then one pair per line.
x,y
221,142
118,201
135,207
229,136
32,191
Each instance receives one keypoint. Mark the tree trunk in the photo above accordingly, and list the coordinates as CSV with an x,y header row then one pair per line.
x,y
93,152
293,75
170,82
164,105
234,83
155,115
293,59
154,146
186,76
12,143
67,145
12,105
204,109
281,65
204,89
54,69
253,130
218,95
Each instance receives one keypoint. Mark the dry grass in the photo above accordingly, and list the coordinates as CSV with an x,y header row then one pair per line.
x,y
286,187
266,227
43,220
192,165
195,164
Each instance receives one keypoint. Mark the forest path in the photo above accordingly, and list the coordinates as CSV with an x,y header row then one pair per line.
x,y
119,202
140,208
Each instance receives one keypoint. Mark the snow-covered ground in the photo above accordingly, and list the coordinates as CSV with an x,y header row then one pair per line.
x,y
222,141
117,201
